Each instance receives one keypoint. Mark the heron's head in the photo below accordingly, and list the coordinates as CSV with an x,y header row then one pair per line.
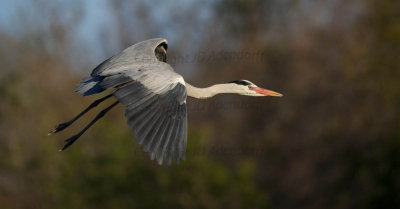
x,y
247,88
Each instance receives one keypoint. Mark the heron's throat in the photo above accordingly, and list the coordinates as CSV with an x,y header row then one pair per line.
x,y
203,93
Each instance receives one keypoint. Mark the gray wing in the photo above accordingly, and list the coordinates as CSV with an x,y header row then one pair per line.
x,y
153,94
144,51
157,119
155,101
130,60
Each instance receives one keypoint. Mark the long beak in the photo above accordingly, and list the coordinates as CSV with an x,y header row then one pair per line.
x,y
267,92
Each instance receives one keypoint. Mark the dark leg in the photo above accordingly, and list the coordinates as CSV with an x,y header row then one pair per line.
x,y
62,126
71,140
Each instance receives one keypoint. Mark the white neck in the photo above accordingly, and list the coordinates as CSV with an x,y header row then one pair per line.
x,y
203,93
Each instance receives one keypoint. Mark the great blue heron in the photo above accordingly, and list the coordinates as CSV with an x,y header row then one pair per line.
x,y
154,96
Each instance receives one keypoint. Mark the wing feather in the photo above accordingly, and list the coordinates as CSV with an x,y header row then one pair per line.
x,y
181,133
154,97
170,146
164,142
157,117
145,126
158,138
150,137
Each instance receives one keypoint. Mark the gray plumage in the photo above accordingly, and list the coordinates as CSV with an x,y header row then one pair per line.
x,y
154,97
153,94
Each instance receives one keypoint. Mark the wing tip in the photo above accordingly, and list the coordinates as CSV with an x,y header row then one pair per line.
x,y
169,161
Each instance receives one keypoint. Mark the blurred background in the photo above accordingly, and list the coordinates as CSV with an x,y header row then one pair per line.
x,y
333,140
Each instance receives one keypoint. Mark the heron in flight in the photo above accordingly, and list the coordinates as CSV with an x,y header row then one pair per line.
x,y
154,97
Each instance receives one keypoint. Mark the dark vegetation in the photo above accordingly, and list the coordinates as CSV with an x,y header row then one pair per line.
x,y
333,140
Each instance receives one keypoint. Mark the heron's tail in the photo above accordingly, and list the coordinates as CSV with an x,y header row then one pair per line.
x,y
89,86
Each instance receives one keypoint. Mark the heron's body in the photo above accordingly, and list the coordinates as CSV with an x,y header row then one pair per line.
x,y
154,97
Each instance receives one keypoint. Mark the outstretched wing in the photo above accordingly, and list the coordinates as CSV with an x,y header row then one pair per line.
x,y
155,101
153,94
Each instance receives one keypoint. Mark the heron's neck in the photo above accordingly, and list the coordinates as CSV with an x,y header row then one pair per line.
x,y
203,93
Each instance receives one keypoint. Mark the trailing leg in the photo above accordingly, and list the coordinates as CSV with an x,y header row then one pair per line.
x,y
62,126
72,139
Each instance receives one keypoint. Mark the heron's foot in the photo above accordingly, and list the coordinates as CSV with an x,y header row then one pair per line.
x,y
68,142
59,128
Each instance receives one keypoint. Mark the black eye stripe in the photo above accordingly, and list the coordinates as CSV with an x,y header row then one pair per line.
x,y
240,82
